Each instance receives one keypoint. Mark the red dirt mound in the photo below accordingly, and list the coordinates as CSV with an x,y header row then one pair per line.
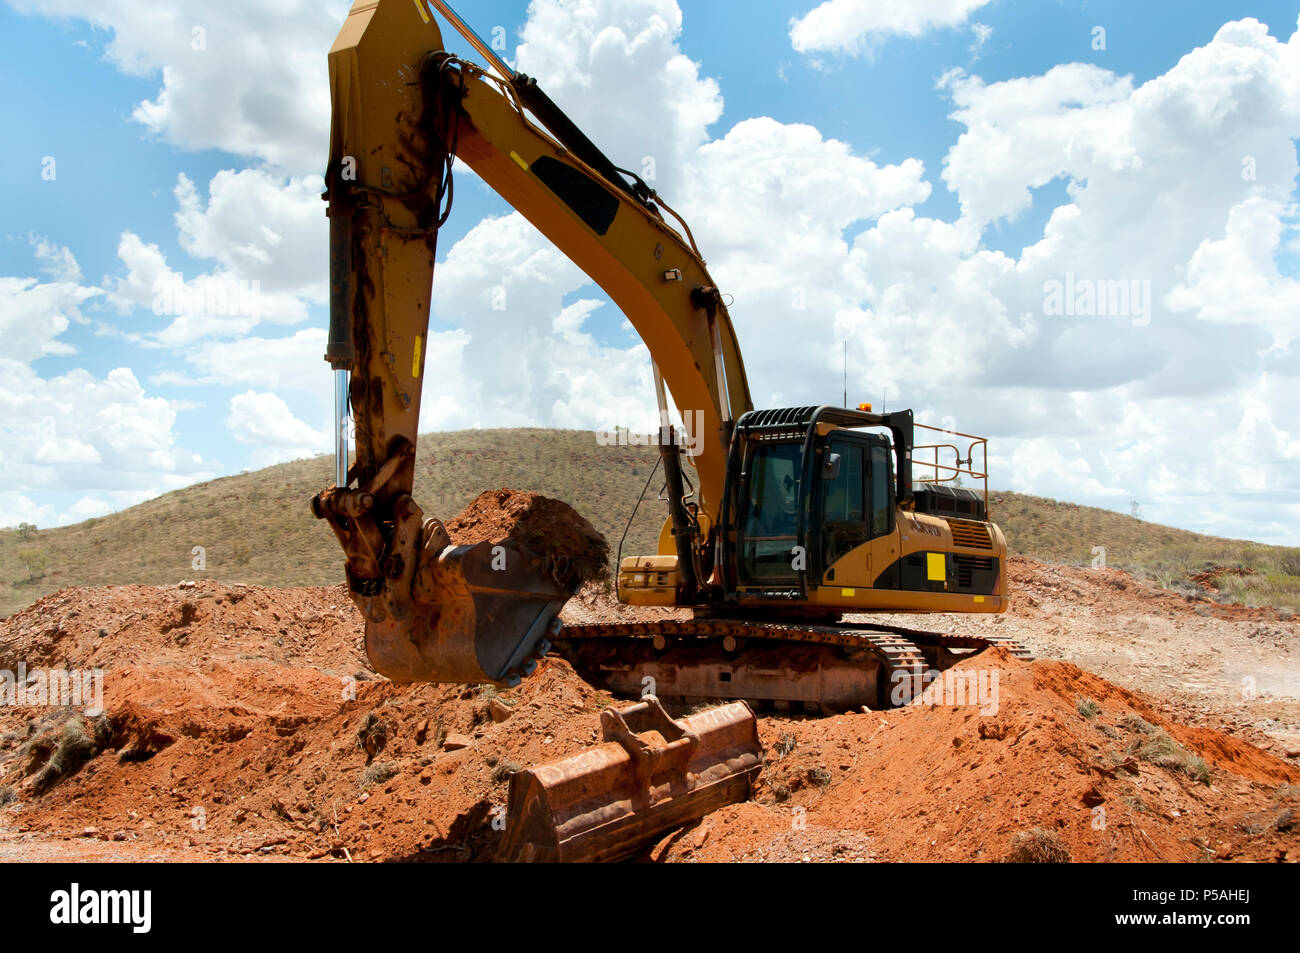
x,y
248,726
574,550
957,783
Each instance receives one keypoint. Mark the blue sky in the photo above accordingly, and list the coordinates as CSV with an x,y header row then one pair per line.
x,y
1086,412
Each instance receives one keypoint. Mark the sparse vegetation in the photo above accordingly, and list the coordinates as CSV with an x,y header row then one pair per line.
x,y
275,540
1061,532
71,750
1156,746
372,735
1088,708
504,769
378,773
34,561
1037,846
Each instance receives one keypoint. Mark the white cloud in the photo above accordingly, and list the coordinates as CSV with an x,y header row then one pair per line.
x,y
34,315
56,261
262,233
652,103
520,356
1235,280
259,227
82,433
1181,136
17,508
264,422
1187,412
243,77
292,363
74,431
848,26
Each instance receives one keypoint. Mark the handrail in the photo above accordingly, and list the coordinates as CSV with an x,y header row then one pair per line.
x,y
963,466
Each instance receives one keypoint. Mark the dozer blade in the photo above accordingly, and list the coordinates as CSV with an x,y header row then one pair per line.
x,y
481,613
649,775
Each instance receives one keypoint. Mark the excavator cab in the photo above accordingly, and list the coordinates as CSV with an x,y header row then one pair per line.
x,y
850,501
821,515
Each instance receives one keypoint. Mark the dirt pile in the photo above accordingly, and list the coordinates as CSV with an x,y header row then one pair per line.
x,y
574,550
252,760
1208,580
1067,762
190,623
245,723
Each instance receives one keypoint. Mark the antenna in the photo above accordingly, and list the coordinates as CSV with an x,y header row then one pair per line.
x,y
846,373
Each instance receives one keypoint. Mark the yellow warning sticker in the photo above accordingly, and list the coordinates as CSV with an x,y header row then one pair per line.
x,y
979,598
847,592
415,358
519,160
935,566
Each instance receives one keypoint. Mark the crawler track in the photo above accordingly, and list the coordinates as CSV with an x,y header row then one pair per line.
x,y
826,667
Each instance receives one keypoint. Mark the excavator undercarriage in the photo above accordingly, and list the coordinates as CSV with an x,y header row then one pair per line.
x,y
816,668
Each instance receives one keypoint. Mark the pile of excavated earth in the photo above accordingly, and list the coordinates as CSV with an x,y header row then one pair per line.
x,y
242,722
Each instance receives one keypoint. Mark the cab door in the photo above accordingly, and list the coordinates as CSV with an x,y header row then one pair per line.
x,y
845,559
856,507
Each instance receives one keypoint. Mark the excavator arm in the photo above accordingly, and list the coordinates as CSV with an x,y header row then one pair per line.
x,y
403,109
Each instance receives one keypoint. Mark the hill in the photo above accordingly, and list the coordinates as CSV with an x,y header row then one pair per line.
x,y
256,527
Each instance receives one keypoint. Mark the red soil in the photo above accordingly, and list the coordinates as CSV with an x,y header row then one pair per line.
x,y
575,550
245,722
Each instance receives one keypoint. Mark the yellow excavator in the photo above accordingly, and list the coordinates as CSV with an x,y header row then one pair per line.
x,y
780,521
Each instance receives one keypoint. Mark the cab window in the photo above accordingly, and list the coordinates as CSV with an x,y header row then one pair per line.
x,y
881,481
843,496
770,525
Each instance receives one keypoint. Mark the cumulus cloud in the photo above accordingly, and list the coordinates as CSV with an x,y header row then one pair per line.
x,y
56,261
261,233
1184,184
74,431
291,363
242,77
848,26
33,315
519,355
654,107
79,432
263,421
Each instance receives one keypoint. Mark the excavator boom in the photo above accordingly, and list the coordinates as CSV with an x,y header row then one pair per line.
x,y
403,108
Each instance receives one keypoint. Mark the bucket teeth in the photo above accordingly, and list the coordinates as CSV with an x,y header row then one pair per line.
x,y
649,775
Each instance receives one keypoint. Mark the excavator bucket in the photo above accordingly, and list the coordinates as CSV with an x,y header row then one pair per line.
x,y
482,613
649,775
